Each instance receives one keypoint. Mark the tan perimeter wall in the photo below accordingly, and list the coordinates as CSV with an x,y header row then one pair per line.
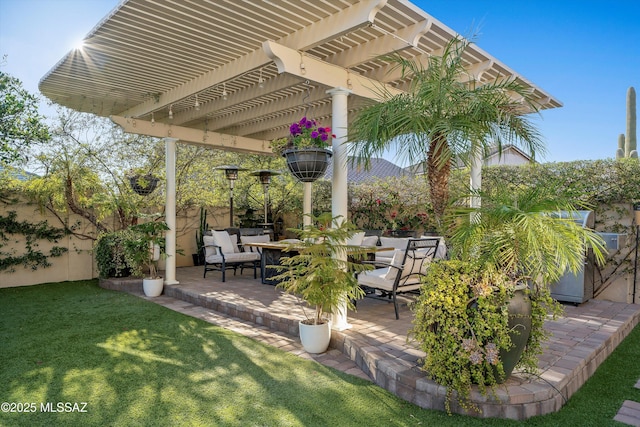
x,y
78,262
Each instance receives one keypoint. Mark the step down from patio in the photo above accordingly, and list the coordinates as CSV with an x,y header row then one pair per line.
x,y
281,340
581,341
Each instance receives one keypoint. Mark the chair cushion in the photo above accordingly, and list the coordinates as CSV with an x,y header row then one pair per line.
x,y
376,279
242,257
208,248
222,239
369,241
394,242
356,239
416,263
441,253
234,242
398,256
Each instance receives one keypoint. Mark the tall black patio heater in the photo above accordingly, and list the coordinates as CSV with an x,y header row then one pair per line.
x,y
265,179
231,172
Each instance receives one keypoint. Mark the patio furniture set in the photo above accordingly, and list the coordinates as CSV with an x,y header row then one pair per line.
x,y
399,263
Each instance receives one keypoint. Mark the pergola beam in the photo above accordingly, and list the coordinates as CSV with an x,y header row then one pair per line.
x,y
194,136
291,61
240,98
403,39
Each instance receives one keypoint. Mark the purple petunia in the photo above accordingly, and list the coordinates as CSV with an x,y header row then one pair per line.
x,y
307,131
294,129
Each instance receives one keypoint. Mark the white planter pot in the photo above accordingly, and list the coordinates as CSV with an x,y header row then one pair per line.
x,y
153,287
315,338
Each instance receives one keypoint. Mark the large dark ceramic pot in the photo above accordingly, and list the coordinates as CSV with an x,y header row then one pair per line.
x,y
519,310
307,164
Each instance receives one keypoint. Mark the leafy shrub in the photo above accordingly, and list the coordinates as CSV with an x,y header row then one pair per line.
x,y
110,254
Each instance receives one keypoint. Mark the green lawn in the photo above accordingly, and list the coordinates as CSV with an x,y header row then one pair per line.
x,y
136,363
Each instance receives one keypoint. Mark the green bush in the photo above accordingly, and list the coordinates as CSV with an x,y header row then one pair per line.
x,y
461,323
110,254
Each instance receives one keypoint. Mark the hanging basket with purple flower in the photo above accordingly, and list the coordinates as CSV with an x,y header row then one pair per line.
x,y
304,134
306,149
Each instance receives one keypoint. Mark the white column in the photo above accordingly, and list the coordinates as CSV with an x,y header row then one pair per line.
x,y
475,183
170,211
339,129
339,206
476,177
306,204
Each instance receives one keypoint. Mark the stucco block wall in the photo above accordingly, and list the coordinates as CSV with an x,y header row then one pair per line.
x,y
76,264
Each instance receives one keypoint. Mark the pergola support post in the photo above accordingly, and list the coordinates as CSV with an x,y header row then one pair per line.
x,y
339,201
476,177
170,212
306,204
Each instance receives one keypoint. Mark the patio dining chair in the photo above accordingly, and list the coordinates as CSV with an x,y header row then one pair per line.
x,y
221,252
403,274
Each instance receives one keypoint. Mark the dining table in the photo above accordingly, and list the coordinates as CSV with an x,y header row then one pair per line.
x,y
273,252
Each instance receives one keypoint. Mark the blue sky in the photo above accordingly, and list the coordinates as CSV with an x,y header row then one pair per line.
x,y
586,53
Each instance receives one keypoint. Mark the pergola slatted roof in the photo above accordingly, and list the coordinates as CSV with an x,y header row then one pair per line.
x,y
149,57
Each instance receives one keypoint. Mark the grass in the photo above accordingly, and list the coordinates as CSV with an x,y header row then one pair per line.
x,y
136,363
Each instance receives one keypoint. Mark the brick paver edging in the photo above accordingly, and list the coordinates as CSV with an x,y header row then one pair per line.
x,y
518,398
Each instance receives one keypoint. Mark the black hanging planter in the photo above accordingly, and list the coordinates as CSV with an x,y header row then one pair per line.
x,y
307,164
143,184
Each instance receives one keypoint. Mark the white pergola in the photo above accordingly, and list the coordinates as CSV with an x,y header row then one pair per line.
x,y
232,74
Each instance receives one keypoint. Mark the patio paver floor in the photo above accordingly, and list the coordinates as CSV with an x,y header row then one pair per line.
x,y
375,347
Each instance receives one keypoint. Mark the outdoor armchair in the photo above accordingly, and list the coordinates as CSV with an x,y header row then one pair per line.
x,y
221,252
403,274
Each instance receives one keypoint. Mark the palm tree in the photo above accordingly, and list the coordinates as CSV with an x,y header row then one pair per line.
x,y
444,113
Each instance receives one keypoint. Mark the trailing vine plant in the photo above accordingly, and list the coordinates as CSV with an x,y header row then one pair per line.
x,y
32,258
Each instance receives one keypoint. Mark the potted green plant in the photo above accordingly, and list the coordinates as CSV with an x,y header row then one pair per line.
x,y
322,275
505,255
305,149
143,248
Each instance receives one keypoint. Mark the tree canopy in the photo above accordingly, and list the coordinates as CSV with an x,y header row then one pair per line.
x,y
20,122
445,112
